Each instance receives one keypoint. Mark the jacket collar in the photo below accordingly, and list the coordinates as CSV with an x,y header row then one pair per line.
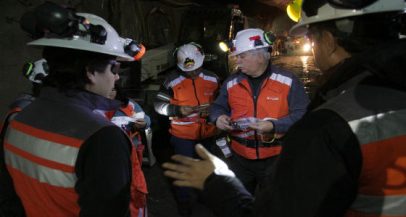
x,y
243,76
81,98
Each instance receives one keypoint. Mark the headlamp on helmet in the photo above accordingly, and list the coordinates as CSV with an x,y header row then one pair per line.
x,y
36,71
56,26
134,49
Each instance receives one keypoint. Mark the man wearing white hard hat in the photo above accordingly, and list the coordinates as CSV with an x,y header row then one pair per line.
x,y
346,156
62,156
257,106
185,97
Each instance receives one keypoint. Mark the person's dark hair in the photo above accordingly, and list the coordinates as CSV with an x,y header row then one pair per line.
x,y
68,67
367,31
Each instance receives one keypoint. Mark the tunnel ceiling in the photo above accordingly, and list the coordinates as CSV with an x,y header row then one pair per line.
x,y
249,7
264,10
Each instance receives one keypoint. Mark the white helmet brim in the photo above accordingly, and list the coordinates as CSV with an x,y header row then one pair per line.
x,y
327,12
114,44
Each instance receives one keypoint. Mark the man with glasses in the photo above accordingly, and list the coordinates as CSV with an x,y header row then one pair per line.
x,y
257,105
346,157
62,156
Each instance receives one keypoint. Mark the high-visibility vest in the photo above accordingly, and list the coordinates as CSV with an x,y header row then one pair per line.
x,y
18,105
41,153
128,111
193,92
271,104
377,116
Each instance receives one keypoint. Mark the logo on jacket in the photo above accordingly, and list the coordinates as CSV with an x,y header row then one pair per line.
x,y
272,98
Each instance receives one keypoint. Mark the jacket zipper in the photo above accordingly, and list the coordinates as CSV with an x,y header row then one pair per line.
x,y
198,103
255,99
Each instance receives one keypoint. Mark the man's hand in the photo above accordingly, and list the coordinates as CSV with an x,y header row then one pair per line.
x,y
140,123
223,122
203,110
262,126
190,172
186,110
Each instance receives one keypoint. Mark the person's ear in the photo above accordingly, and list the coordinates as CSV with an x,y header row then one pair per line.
x,y
91,76
330,42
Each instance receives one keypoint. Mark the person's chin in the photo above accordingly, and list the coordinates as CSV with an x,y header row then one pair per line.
x,y
246,72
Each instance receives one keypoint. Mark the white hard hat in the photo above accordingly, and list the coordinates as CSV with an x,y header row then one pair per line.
x,y
248,39
332,10
114,45
189,57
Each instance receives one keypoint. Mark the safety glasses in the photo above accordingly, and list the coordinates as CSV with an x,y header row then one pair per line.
x,y
115,66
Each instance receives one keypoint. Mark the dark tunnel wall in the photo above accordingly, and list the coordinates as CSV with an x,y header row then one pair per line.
x,y
129,17
14,52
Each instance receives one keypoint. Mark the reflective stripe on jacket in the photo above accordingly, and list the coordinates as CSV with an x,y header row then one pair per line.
x,y
271,104
42,165
377,116
193,92
41,149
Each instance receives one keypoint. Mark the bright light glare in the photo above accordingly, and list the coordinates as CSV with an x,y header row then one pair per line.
x,y
223,46
307,47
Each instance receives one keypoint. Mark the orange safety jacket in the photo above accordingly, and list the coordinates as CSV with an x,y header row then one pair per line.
x,y
18,105
9,115
271,104
380,127
129,111
193,92
41,153
134,135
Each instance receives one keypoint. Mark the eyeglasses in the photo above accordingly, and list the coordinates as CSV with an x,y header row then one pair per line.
x,y
115,66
